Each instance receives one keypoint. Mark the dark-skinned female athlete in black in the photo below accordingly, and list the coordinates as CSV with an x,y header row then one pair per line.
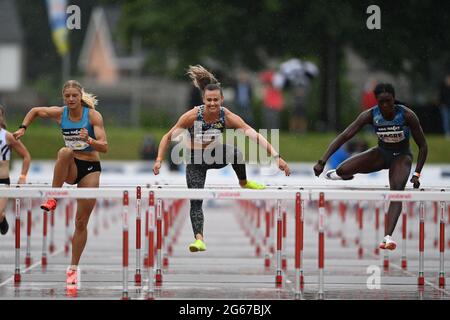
x,y
393,123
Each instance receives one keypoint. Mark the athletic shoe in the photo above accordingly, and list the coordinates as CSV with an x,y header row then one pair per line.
x,y
73,276
332,175
197,245
388,243
50,205
254,185
71,290
4,226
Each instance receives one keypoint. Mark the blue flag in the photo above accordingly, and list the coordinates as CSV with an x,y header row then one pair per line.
x,y
57,18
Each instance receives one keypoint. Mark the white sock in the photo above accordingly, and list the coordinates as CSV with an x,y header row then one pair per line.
x,y
332,175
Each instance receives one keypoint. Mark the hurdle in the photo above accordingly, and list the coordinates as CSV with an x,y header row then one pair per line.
x,y
267,240
297,196
404,235
421,279
44,239
227,194
442,245
283,241
375,195
158,271
279,276
68,213
28,259
299,220
151,243
17,276
137,276
125,246
376,249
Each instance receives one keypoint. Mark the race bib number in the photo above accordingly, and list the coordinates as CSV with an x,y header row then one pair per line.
x,y
72,139
391,136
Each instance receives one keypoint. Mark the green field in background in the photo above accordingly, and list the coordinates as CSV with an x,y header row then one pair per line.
x,y
124,144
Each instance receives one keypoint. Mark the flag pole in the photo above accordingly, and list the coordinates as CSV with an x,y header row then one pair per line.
x,y
66,66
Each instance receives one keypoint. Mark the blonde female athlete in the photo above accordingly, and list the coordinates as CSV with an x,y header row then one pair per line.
x,y
79,161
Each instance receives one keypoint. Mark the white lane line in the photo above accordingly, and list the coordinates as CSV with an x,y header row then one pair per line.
x,y
30,267
415,275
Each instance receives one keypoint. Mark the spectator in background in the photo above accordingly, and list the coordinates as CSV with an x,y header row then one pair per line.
x,y
298,121
195,98
444,105
354,146
368,99
149,148
273,101
296,75
149,151
243,97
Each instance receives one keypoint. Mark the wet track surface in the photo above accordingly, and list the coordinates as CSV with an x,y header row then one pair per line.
x,y
229,269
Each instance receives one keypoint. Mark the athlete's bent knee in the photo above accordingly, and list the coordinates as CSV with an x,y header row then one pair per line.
x,y
65,153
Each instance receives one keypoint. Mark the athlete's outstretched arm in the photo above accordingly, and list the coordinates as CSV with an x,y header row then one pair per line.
x,y
38,112
100,143
184,122
363,119
236,122
419,138
20,148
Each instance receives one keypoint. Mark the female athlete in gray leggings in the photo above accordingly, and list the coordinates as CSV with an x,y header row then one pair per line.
x,y
196,176
205,124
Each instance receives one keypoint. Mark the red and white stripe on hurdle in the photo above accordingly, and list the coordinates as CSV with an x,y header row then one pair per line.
x,y
321,195
125,246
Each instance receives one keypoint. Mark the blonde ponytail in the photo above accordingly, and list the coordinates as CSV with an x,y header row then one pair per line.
x,y
89,99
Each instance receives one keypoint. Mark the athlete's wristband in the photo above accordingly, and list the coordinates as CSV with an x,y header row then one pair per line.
x,y
22,126
417,174
89,141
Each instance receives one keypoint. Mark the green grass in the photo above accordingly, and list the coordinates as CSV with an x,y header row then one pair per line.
x,y
43,142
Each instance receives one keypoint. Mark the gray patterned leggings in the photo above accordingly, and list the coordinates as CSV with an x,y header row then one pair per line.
x,y
196,176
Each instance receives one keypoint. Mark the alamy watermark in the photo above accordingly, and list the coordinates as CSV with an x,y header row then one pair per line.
x,y
374,20
374,280
73,20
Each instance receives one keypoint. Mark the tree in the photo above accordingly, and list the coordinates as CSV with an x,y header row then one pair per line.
x,y
250,33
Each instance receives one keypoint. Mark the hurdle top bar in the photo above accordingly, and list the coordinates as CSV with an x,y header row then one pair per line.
x,y
212,193
296,187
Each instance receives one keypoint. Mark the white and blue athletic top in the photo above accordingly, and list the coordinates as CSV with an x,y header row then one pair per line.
x,y
4,147
391,133
71,130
